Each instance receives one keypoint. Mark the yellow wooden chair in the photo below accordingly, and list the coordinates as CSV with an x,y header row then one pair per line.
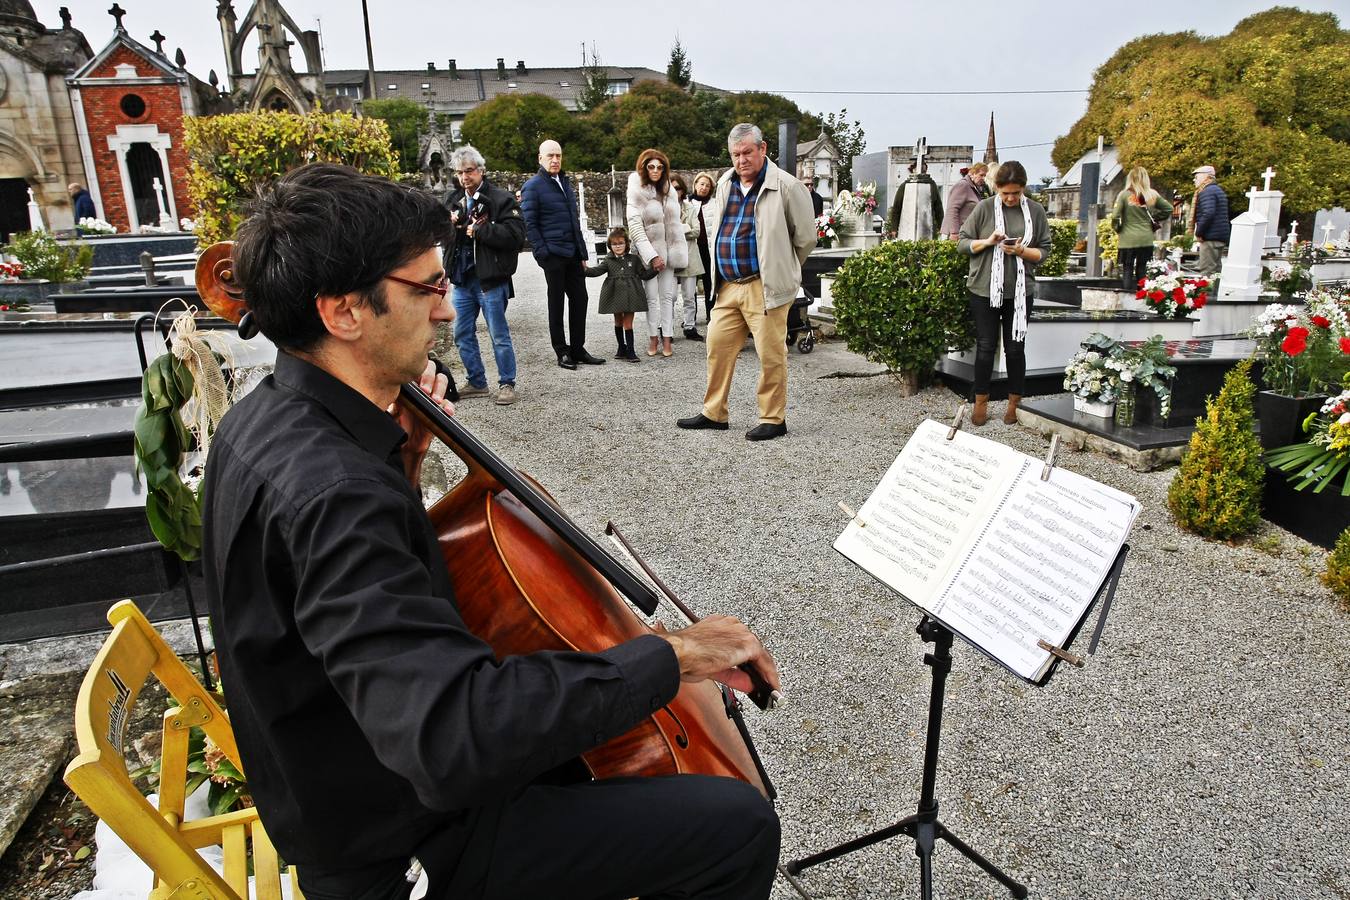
x,y
160,837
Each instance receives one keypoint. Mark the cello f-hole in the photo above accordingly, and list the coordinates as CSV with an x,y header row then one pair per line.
x,y
682,736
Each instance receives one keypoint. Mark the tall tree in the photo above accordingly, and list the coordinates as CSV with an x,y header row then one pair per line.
x,y
848,138
679,71
767,110
1271,92
652,114
509,128
407,121
594,84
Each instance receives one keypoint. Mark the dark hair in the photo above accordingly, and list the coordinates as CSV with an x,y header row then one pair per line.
x,y
646,156
681,186
328,230
1011,172
617,233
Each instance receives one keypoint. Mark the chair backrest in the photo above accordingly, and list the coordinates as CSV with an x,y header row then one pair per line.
x,y
98,775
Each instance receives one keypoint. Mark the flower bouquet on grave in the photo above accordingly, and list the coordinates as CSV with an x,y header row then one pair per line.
x,y
1088,377
1325,454
91,226
1144,365
1173,296
10,272
1306,349
827,230
861,201
1286,278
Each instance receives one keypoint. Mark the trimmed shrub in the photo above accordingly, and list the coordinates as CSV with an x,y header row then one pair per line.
x,y
43,256
903,304
1063,235
1217,491
231,156
1337,575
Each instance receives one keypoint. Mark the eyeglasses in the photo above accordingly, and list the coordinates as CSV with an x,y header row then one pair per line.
x,y
655,165
440,288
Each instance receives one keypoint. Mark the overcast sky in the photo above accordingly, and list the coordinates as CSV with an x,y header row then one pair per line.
x,y
793,47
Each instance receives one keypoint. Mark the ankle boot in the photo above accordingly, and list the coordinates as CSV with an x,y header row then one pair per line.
x,y
980,414
623,347
1010,414
629,353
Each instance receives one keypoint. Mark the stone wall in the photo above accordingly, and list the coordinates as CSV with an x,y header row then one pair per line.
x,y
38,142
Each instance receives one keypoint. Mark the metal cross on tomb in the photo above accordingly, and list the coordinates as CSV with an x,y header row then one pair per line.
x,y
1268,174
117,13
159,42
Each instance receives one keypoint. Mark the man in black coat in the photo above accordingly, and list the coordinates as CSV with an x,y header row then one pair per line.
x,y
489,235
553,224
82,201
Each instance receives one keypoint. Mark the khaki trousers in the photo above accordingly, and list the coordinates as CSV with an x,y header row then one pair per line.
x,y
740,309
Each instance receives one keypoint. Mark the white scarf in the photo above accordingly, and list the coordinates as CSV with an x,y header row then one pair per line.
x,y
1019,329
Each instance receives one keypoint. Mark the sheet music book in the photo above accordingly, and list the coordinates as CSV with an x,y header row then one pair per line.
x,y
967,531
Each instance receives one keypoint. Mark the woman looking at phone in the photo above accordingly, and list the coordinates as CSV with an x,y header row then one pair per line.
x,y
1006,237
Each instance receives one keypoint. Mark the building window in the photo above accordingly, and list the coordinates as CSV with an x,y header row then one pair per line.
x,y
615,88
392,87
348,90
133,106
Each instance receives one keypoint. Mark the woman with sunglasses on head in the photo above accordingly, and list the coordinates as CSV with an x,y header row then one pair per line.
x,y
655,226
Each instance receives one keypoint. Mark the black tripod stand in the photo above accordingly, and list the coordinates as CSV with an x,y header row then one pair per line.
x,y
923,826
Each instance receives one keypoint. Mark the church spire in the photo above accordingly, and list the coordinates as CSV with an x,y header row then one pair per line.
x,y
991,147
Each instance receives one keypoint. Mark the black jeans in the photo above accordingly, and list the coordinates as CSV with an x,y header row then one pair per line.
x,y
566,277
1133,261
989,322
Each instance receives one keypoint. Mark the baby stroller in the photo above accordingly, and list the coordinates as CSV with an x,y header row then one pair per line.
x,y
799,326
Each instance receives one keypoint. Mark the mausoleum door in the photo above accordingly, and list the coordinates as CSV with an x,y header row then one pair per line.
x,y
144,167
13,206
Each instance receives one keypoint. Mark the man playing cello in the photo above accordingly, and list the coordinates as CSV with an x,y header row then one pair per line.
x,y
375,729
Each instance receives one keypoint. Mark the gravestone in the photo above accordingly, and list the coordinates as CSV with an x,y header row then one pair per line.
x,y
1241,275
916,220
1266,203
1339,220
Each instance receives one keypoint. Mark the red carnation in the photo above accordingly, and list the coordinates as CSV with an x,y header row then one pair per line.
x,y
1345,345
1156,295
1321,321
1295,342
1140,295
1141,281
1202,283
1200,299
1179,295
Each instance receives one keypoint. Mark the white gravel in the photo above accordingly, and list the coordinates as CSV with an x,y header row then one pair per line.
x,y
1202,753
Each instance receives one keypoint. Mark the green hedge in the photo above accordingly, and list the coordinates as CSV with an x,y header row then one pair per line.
x,y
232,155
1063,235
904,304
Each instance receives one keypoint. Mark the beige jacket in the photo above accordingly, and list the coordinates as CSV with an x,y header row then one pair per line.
x,y
785,232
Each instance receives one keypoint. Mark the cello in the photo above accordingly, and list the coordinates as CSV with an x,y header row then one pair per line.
x,y
528,579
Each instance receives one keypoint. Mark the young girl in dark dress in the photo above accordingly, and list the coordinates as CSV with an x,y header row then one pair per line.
x,y
622,293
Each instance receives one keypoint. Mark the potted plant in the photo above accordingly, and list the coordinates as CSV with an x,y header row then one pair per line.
x,y
1305,352
43,261
1322,462
1092,381
1143,365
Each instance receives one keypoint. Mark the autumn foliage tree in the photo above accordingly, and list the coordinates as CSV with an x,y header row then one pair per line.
x,y
509,128
1272,92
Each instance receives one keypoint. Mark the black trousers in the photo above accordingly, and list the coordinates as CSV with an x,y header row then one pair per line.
x,y
1133,261
990,324
566,277
707,279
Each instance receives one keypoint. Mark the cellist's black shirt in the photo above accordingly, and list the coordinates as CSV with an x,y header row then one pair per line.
x,y
367,715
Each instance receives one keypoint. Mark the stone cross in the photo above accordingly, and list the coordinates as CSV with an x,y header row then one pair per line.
x,y
159,42
1251,194
117,13
159,198
34,213
920,151
1327,229
1268,174
65,18
1293,234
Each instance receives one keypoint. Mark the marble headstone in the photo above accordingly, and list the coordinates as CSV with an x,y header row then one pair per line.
x,y
1267,205
1337,217
1240,278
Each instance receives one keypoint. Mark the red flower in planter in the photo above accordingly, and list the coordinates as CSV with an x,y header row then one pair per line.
x,y
1156,295
1179,295
1140,295
1345,345
1295,342
1141,281
1321,321
1200,300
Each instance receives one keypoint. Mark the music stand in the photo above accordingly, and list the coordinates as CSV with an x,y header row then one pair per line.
x,y
924,827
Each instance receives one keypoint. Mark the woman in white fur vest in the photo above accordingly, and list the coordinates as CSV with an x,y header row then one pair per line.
x,y
657,232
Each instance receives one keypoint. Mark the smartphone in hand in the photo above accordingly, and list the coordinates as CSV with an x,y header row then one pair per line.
x,y
1010,242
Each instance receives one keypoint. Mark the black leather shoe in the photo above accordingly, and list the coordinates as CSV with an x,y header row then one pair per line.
x,y
582,356
692,334
701,421
766,431
565,360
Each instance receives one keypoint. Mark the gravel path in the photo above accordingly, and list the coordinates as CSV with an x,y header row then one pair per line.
x,y
1202,753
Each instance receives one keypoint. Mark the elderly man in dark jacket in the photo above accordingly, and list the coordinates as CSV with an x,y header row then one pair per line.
x,y
552,222
489,235
1212,228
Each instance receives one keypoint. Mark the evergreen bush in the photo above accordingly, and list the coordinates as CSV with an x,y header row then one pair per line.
x,y
1217,491
43,256
1337,575
231,156
903,304
1063,235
